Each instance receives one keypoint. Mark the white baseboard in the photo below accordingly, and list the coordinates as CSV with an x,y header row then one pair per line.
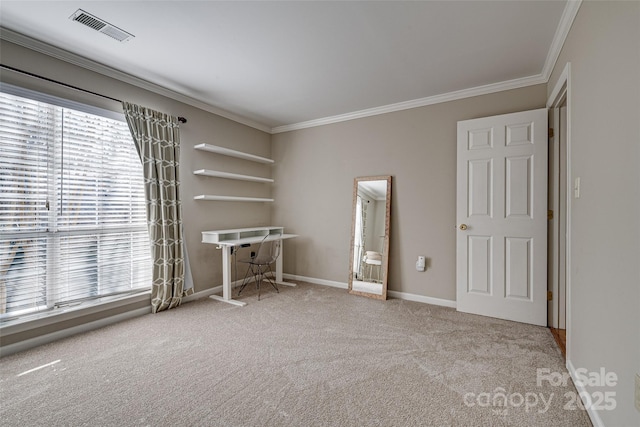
x,y
214,290
593,414
394,294
423,299
47,338
202,294
316,281
6,350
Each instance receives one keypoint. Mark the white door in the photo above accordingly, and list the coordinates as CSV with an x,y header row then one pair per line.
x,y
501,258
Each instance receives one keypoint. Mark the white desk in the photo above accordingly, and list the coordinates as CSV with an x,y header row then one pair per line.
x,y
227,239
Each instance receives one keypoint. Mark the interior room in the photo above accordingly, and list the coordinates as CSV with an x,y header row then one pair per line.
x,y
348,138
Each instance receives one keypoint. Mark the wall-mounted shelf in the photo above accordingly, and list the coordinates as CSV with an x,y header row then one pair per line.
x,y
232,153
228,175
235,235
232,198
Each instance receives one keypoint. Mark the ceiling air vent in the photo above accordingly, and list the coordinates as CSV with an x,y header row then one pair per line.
x,y
100,25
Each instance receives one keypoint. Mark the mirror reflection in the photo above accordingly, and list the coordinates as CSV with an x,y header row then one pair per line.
x,y
370,236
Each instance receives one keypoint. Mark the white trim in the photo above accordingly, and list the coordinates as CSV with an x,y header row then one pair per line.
x,y
202,294
63,314
423,299
559,87
559,92
406,105
211,291
566,20
556,94
316,281
569,227
64,333
72,58
582,391
394,294
553,227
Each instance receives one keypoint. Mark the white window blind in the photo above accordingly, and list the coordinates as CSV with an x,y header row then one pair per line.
x,y
72,212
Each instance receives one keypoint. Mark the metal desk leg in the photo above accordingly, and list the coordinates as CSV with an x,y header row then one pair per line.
x,y
279,280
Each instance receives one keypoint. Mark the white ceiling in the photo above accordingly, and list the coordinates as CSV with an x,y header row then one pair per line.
x,y
278,65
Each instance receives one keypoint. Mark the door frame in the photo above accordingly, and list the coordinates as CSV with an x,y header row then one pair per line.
x,y
561,95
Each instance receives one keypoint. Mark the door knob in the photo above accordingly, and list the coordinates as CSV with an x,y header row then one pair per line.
x,y
463,227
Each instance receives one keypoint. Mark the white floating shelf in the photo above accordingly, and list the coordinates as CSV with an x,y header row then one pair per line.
x,y
227,175
232,198
232,153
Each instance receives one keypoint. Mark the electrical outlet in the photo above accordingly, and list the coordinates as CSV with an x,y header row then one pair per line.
x,y
638,392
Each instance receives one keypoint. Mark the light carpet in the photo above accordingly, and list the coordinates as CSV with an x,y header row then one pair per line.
x,y
308,356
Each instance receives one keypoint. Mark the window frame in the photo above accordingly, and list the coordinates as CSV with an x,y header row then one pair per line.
x,y
86,305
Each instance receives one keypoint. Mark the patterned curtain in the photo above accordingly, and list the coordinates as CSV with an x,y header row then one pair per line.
x,y
157,139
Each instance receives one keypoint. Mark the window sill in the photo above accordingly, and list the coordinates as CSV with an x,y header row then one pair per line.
x,y
21,334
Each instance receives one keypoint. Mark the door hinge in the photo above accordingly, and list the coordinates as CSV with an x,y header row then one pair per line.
x,y
549,295
550,132
549,214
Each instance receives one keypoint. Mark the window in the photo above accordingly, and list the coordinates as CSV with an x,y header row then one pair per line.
x,y
72,210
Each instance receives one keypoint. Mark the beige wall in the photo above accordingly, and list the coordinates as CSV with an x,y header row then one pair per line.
x,y
314,175
603,47
202,127
315,168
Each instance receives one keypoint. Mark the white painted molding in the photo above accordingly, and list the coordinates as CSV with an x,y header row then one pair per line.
x,y
215,290
422,299
582,391
563,80
54,336
64,333
566,20
316,281
422,102
394,294
72,58
46,319
202,294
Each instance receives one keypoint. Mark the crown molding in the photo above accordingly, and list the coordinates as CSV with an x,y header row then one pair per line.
x,y
562,31
421,102
72,58
566,20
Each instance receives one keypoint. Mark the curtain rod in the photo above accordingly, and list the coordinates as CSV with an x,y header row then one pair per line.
x,y
180,119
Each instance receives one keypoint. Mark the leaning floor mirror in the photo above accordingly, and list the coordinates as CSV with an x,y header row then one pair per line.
x,y
369,259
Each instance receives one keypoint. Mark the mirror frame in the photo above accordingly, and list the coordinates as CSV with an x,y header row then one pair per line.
x,y
384,268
